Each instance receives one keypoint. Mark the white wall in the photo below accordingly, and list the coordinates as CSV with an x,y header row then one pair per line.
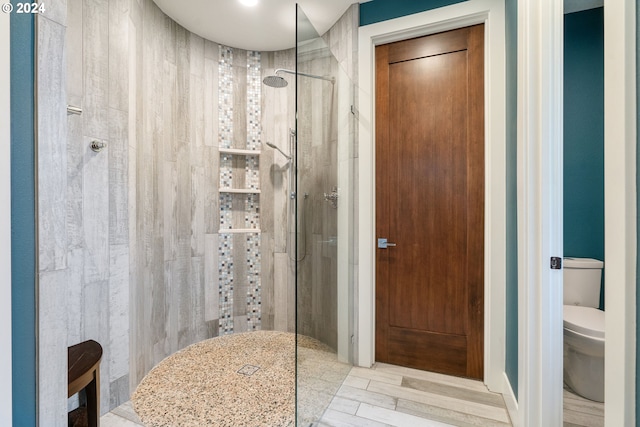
x,y
5,225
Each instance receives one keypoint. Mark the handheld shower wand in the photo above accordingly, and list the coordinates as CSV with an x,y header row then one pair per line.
x,y
275,147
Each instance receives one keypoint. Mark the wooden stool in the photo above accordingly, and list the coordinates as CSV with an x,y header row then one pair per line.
x,y
84,373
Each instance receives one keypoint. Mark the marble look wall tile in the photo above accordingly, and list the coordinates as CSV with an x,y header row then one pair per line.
x,y
96,324
183,54
51,134
196,286
212,328
212,195
135,12
240,324
239,173
184,186
197,54
74,298
74,52
118,177
169,39
56,11
170,112
184,280
281,307
118,54
211,308
119,311
211,94
239,81
197,110
267,280
52,354
267,189
96,68
169,332
198,185
170,210
96,214
119,392
75,162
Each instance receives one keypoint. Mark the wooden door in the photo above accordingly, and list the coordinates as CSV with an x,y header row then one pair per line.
x,y
430,202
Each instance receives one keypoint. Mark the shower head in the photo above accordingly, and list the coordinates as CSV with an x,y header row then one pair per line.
x,y
275,81
275,147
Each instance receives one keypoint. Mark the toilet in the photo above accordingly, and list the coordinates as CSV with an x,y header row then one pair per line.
x,y
583,328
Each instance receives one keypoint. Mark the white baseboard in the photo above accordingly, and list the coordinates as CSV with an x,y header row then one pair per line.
x,y
510,401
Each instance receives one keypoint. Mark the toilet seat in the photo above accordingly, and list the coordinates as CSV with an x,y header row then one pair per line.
x,y
587,321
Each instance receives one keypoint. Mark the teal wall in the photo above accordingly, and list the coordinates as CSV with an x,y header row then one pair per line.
x,y
584,134
511,344
382,10
23,259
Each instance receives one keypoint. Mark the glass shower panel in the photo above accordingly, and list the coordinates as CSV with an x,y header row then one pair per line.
x,y
323,236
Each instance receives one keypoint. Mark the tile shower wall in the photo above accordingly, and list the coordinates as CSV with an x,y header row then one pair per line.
x,y
322,161
277,267
198,272
82,196
130,252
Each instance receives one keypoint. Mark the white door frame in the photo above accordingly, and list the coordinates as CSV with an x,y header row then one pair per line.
x,y
620,246
5,222
491,13
540,204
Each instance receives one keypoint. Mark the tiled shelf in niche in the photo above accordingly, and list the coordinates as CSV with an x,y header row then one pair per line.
x,y
238,230
239,151
239,190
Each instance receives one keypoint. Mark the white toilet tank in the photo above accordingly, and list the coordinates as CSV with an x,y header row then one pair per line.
x,y
581,279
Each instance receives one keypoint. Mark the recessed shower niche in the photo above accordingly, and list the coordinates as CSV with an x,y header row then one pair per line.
x,y
239,187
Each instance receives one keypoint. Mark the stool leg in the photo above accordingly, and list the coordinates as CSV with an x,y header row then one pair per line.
x,y
93,400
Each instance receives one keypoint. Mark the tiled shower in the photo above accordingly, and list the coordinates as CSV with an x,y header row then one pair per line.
x,y
177,231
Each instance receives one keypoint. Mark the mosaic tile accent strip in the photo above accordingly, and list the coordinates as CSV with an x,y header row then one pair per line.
x,y
225,283
226,171
252,181
254,302
252,211
226,211
254,94
252,172
225,88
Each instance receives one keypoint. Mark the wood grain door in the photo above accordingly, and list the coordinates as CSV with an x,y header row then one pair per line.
x,y
430,202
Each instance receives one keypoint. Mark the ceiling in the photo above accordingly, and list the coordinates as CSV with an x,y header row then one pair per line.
x,y
571,6
268,26
271,24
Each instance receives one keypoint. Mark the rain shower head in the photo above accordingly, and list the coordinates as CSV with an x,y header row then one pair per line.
x,y
275,81
275,147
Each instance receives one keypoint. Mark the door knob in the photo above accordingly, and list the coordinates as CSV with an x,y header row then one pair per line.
x,y
383,244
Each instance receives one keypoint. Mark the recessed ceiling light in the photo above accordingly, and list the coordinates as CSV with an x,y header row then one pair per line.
x,y
249,2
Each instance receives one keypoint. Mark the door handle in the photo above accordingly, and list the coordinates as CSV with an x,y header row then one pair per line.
x,y
383,244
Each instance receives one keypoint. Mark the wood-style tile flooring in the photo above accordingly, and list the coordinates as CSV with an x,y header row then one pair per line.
x,y
388,395
581,412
